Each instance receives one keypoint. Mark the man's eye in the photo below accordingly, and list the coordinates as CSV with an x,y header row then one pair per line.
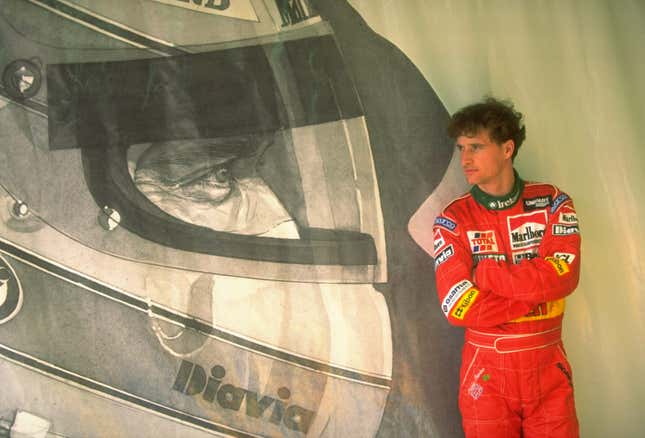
x,y
222,174
459,147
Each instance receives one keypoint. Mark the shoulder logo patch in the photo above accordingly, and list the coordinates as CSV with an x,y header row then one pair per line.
x,y
446,223
569,217
561,199
438,241
443,256
536,203
565,230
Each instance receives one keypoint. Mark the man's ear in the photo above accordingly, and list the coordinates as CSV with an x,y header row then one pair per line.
x,y
509,148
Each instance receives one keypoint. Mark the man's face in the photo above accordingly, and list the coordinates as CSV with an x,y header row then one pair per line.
x,y
483,161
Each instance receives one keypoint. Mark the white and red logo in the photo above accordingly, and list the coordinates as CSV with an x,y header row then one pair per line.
x,y
439,241
568,217
443,256
526,230
455,292
482,241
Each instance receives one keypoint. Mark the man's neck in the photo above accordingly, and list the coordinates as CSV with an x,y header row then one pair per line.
x,y
507,200
501,186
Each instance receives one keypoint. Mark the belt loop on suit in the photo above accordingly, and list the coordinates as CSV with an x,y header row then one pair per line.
x,y
513,343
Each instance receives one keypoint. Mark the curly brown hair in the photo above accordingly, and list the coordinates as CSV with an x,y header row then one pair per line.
x,y
498,117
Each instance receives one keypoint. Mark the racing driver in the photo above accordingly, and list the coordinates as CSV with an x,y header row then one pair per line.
x,y
506,255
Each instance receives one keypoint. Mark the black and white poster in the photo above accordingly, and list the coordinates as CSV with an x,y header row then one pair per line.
x,y
204,231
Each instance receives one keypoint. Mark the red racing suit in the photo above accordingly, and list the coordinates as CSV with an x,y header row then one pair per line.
x,y
503,268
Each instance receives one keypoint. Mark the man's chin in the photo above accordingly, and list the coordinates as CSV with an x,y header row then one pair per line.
x,y
472,180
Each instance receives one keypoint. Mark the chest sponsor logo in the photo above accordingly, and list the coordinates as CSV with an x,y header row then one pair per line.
x,y
446,223
526,230
536,203
524,255
240,9
568,218
561,199
497,257
438,241
444,256
565,230
500,204
454,294
192,380
566,256
10,292
482,241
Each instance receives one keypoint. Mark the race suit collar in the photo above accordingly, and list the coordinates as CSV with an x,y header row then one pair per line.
x,y
499,202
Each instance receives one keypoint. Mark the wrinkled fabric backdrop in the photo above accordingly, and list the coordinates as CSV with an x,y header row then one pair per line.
x,y
575,69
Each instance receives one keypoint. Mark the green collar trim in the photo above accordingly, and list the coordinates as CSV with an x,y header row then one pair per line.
x,y
499,202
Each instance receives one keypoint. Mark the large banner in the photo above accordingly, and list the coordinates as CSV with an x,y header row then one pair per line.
x,y
204,227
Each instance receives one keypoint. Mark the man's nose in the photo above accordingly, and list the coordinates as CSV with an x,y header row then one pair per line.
x,y
465,157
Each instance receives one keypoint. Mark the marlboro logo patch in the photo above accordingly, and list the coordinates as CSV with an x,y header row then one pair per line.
x,y
526,230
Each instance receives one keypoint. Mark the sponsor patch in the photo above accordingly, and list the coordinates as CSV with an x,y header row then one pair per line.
x,y
526,230
542,311
443,256
535,203
565,230
561,267
497,257
567,257
482,241
446,223
475,391
439,241
454,294
465,303
568,218
524,255
561,199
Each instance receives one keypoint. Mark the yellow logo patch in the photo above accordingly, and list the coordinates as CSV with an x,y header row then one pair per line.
x,y
543,311
464,304
561,267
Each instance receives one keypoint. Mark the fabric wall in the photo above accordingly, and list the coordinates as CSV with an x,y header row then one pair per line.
x,y
575,69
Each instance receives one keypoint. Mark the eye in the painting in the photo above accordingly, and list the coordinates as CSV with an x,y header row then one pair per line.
x,y
222,174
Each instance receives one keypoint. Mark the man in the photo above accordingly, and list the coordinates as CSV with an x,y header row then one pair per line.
x,y
506,254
